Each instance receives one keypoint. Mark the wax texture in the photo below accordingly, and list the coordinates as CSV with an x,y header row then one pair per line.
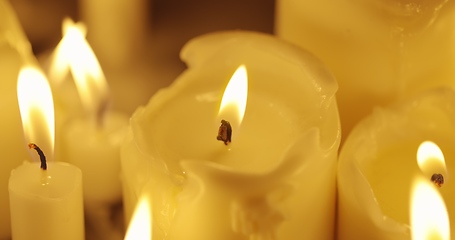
x,y
377,165
379,51
46,206
15,50
95,149
276,180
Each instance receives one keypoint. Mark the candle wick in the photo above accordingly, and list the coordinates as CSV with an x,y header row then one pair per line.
x,y
437,179
101,112
224,132
42,157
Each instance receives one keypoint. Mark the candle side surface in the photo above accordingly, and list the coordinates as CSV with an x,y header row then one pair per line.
x,y
290,103
378,162
379,51
46,205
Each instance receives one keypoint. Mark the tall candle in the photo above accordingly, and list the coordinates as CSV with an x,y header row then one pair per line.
x,y
14,51
91,137
279,167
379,51
45,199
378,162
117,28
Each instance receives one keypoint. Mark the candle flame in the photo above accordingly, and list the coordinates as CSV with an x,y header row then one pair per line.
x,y
429,218
233,103
74,54
36,107
140,227
430,159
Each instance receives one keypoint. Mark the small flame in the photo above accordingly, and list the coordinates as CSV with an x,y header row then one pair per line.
x,y
74,54
429,218
36,107
233,103
431,159
141,224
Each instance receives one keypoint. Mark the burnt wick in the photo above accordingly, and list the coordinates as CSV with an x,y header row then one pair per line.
x,y
438,179
42,157
224,132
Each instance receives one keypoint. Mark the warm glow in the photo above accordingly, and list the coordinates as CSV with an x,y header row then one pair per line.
x,y
36,107
141,224
429,218
74,54
233,103
431,159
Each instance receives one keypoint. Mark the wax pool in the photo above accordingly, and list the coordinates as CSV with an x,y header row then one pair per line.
x,y
378,163
279,168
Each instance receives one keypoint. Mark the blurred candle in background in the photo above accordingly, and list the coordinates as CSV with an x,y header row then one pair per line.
x,y
117,28
379,51
91,135
15,50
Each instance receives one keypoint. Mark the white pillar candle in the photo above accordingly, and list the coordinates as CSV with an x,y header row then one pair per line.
x,y
378,163
279,168
46,204
379,51
14,51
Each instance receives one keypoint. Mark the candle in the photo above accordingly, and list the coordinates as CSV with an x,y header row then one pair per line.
x,y
429,218
90,138
379,51
45,203
14,51
117,28
378,162
141,224
278,168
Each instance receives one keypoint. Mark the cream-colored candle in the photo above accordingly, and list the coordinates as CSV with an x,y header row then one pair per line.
x,y
14,51
280,166
45,200
379,51
91,138
46,205
377,165
91,133
117,28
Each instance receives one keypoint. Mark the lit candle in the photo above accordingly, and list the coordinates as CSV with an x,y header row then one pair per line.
x,y
428,220
14,51
45,198
141,224
91,140
282,155
379,51
378,162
